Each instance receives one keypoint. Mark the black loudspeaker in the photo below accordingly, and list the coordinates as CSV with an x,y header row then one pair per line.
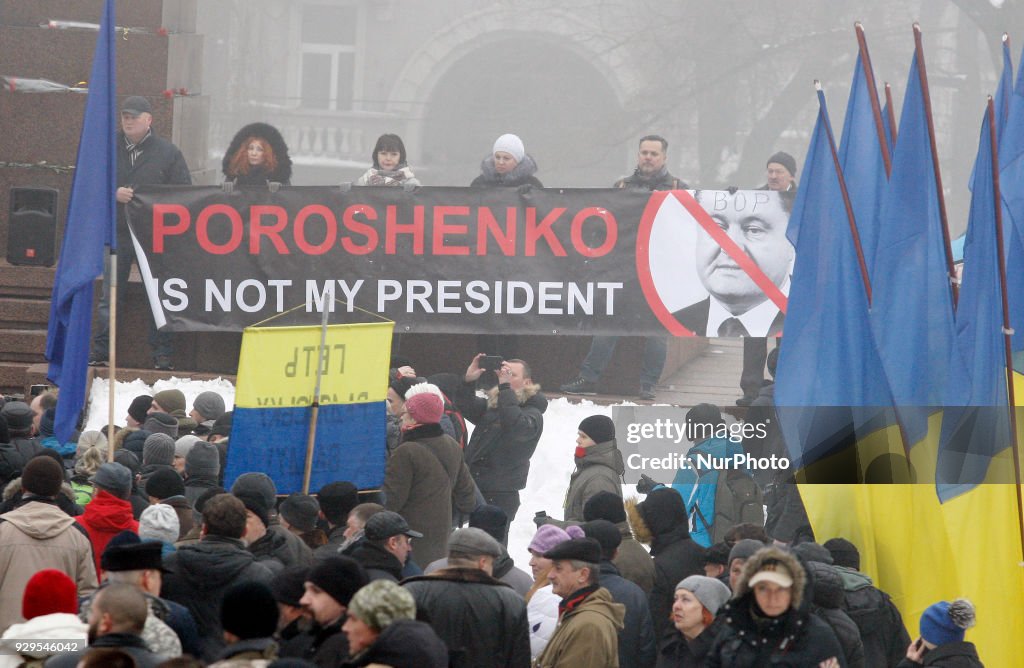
x,y
32,230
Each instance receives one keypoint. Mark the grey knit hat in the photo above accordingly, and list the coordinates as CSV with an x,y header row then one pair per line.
x,y
300,511
158,449
159,522
744,549
184,444
257,483
209,404
711,593
203,459
380,603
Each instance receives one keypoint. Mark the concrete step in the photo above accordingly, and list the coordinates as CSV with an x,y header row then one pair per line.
x,y
19,313
26,282
12,378
23,345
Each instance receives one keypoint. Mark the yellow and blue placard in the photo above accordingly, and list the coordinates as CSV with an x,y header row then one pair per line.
x,y
277,371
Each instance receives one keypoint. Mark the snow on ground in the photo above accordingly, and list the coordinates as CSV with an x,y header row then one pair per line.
x,y
550,468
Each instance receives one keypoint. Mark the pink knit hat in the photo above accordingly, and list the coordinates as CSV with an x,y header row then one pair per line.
x,y
549,535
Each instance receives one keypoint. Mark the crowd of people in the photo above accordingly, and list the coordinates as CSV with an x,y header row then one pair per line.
x,y
147,560
126,549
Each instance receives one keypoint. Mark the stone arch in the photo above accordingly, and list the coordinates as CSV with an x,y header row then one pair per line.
x,y
553,43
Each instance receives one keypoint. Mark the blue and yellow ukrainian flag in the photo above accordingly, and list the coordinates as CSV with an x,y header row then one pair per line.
x,y
277,371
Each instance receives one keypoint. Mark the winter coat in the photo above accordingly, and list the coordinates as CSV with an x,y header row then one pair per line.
x,y
796,638
186,516
378,562
157,633
660,181
252,653
424,477
105,517
676,556
402,176
504,569
481,620
675,651
881,626
637,648
522,174
587,635
508,426
950,655
633,561
701,496
34,536
279,548
271,135
405,643
327,646
159,162
197,576
128,643
600,469
827,603
197,485
542,613
55,626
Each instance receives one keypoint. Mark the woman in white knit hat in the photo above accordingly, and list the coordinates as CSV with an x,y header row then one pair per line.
x,y
508,165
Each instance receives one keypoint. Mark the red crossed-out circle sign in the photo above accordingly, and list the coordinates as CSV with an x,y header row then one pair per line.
x,y
643,257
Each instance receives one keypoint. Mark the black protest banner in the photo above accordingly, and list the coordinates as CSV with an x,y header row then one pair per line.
x,y
463,260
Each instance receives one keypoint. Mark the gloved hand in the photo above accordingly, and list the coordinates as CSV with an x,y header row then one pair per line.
x,y
524,189
408,187
646,484
732,190
540,518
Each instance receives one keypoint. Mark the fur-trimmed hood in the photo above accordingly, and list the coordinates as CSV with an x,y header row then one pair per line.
x,y
762,559
662,513
523,395
267,132
641,531
523,170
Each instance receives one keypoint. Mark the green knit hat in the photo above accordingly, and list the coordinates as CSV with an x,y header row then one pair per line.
x,y
380,603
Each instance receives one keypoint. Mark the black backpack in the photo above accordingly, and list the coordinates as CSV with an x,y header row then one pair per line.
x,y
738,500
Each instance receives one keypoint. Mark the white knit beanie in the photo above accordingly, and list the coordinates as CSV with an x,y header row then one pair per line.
x,y
510,144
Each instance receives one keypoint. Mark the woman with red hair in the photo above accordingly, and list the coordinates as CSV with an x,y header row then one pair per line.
x,y
257,155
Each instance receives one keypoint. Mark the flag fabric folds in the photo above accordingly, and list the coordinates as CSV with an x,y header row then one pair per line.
x,y
861,159
912,305
89,228
1011,183
830,388
975,423
277,371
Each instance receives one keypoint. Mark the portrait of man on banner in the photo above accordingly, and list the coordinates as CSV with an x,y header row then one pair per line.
x,y
723,269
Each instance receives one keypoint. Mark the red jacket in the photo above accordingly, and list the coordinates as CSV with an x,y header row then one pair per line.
x,y
105,517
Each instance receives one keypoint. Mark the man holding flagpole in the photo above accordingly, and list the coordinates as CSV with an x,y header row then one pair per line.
x,y
142,159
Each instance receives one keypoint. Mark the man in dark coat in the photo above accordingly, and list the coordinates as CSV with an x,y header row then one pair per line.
x,y
508,425
633,561
197,575
481,619
637,646
661,522
330,586
385,546
337,499
881,626
142,159
289,549
651,174
116,618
